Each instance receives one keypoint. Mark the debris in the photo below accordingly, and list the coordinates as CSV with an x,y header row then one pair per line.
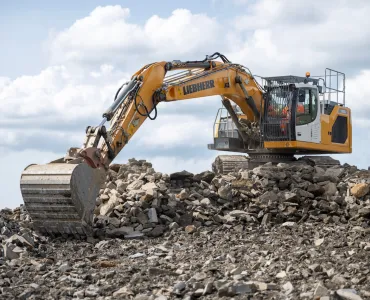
x,y
319,242
275,232
360,190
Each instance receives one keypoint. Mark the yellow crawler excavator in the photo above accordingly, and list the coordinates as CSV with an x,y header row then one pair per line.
x,y
273,119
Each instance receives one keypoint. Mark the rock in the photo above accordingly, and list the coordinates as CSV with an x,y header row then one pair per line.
x,y
360,190
134,235
183,195
337,279
208,288
120,232
114,221
104,197
142,218
190,229
149,195
122,186
135,185
180,286
236,271
20,241
281,274
206,176
319,242
26,294
149,186
268,197
315,189
173,226
157,231
64,268
137,255
226,290
205,202
181,175
79,294
242,288
157,271
330,189
225,192
320,291
364,212
323,178
288,288
334,172
238,213
111,186
347,294
107,208
152,215
291,197
266,219
288,224
123,292
198,293
5,231
92,292
8,251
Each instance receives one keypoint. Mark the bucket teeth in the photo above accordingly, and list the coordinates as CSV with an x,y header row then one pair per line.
x,y
60,198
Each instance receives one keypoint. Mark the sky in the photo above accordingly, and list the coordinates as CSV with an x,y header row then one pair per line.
x,y
62,62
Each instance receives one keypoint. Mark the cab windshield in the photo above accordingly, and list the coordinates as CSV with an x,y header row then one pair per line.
x,y
306,109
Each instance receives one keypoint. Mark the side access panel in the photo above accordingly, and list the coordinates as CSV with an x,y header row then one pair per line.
x,y
336,129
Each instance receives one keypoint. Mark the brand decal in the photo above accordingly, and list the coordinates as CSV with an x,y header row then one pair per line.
x,y
201,86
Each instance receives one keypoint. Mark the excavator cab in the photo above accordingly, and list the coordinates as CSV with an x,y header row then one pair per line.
x,y
300,116
314,122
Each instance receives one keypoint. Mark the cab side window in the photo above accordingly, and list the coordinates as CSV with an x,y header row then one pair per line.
x,y
306,106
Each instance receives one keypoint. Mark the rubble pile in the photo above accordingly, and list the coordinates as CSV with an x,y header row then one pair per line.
x,y
275,232
137,201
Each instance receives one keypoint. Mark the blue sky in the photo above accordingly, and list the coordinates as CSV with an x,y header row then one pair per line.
x,y
61,63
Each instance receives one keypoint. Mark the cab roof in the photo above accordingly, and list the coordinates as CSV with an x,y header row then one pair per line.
x,y
291,79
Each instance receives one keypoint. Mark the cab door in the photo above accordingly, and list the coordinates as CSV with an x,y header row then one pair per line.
x,y
307,113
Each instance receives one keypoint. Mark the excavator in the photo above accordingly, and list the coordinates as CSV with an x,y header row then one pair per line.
x,y
272,119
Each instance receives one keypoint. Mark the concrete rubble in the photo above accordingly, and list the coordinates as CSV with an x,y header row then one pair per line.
x,y
274,232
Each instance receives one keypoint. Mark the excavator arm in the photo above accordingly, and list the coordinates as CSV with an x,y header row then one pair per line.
x,y
138,99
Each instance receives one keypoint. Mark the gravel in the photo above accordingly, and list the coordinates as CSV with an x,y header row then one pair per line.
x,y
274,232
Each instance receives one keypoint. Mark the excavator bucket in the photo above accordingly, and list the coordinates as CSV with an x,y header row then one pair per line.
x,y
60,197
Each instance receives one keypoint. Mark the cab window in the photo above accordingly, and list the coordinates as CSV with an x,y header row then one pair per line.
x,y
306,106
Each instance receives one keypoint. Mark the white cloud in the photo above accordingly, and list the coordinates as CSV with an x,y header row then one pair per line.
x,y
284,37
106,35
174,130
60,92
48,106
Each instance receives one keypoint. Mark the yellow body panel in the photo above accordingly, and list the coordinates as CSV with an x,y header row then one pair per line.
x,y
224,84
339,148
326,145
